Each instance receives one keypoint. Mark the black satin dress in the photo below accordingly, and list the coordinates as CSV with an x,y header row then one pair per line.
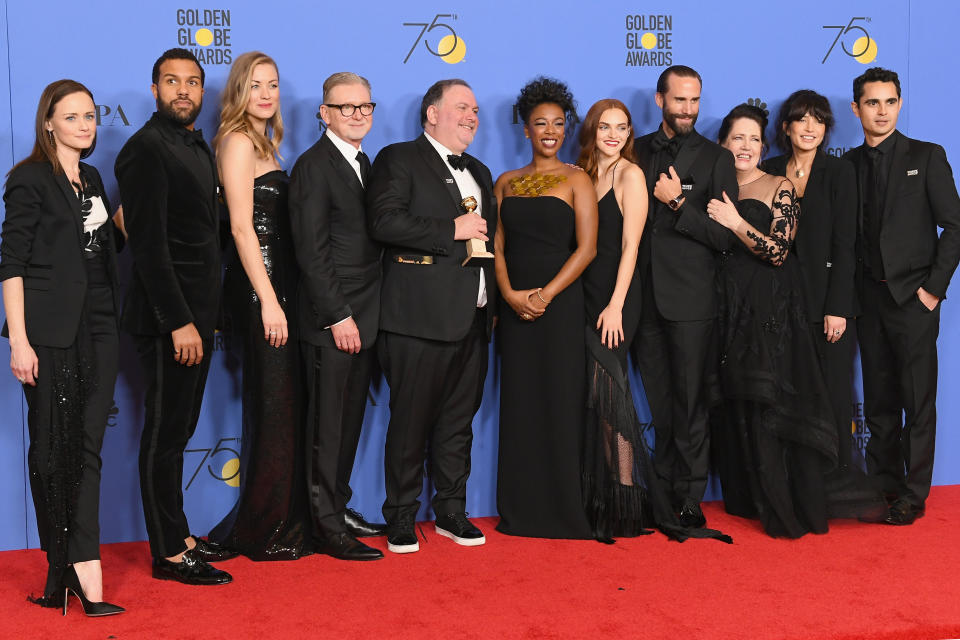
x,y
271,520
542,385
776,444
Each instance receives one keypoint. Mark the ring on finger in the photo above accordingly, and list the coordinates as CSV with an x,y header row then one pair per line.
x,y
22,380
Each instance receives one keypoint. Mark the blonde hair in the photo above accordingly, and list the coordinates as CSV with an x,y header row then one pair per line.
x,y
233,107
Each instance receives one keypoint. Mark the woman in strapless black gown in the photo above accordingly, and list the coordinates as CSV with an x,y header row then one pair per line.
x,y
776,442
545,239
270,520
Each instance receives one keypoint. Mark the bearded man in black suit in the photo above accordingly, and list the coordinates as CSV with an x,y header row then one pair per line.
x,y
436,314
677,261
904,268
168,187
339,308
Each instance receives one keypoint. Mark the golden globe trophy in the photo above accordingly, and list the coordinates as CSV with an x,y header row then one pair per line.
x,y
477,253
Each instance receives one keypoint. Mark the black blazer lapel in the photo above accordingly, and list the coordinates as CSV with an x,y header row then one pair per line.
x,y
898,171
813,197
688,154
432,159
342,167
72,201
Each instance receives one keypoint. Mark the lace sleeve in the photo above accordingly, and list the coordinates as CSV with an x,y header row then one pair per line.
x,y
775,246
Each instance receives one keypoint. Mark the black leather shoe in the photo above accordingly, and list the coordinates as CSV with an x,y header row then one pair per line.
x,y
344,546
211,551
458,528
901,512
691,515
401,536
190,570
360,528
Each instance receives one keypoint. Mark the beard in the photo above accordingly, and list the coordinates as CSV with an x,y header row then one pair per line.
x,y
680,127
183,117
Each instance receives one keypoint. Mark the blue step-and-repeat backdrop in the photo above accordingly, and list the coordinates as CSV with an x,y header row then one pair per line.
x,y
745,50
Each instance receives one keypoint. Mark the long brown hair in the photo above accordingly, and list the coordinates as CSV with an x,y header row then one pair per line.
x,y
44,145
588,136
233,106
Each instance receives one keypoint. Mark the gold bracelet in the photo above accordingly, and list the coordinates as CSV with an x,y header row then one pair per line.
x,y
541,297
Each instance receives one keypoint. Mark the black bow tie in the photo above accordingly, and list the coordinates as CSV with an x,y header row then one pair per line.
x,y
194,136
661,141
458,162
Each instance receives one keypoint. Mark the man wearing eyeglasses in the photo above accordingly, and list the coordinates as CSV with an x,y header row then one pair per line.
x,y
339,308
436,310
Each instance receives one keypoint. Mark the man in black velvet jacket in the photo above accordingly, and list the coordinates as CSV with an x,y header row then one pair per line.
x,y
904,268
168,187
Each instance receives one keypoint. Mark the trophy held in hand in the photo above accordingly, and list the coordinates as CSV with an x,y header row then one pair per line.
x,y
477,253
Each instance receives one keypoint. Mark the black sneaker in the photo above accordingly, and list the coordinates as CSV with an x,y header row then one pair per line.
x,y
458,528
402,536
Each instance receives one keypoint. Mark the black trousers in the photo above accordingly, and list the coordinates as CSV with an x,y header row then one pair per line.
x,y
675,360
836,364
172,408
435,390
898,351
99,322
338,384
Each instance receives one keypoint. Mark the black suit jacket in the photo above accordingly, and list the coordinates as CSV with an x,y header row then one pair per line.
x,y
921,196
681,247
412,201
171,216
43,244
339,262
825,244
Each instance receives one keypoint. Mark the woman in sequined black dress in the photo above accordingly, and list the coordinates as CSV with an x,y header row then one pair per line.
x,y
60,293
270,520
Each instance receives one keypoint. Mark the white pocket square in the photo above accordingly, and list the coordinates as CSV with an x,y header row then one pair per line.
x,y
912,172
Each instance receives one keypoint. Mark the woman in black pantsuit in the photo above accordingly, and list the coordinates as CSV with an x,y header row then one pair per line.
x,y
58,267
825,244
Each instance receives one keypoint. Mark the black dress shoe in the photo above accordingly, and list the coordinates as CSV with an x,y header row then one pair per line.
x,y
690,515
458,528
360,528
344,546
190,570
211,551
901,512
401,535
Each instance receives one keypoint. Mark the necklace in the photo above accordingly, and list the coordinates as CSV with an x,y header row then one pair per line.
x,y
798,172
535,184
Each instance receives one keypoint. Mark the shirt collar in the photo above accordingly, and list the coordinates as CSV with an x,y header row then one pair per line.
x,y
886,146
442,150
348,150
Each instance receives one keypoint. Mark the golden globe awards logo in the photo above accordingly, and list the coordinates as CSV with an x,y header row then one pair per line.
x,y
649,40
448,45
206,34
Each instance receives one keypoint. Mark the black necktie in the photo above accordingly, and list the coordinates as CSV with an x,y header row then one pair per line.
x,y
364,166
457,162
872,211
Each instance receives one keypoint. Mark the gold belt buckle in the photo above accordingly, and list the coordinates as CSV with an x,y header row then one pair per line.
x,y
414,259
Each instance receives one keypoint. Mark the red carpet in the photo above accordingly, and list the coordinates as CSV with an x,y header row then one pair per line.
x,y
858,581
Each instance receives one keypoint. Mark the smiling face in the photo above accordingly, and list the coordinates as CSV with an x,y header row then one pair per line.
x,y
680,105
878,110
179,91
806,134
745,142
350,129
74,122
454,120
545,128
264,97
613,131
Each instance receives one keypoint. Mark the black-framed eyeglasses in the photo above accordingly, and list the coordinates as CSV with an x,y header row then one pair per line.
x,y
346,110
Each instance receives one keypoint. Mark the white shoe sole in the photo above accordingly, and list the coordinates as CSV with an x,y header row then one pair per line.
x,y
404,548
466,542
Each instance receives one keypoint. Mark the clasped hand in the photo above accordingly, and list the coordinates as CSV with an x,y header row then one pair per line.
x,y
725,212
668,187
526,303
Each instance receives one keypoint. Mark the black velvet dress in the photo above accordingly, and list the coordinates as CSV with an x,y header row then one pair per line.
x,y
271,520
542,385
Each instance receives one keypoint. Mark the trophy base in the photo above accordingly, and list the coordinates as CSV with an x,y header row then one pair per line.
x,y
478,259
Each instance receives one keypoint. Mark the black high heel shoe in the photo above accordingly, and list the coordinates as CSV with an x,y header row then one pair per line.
x,y
71,584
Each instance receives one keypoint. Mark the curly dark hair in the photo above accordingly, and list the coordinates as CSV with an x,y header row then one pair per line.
x,y
748,111
543,90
